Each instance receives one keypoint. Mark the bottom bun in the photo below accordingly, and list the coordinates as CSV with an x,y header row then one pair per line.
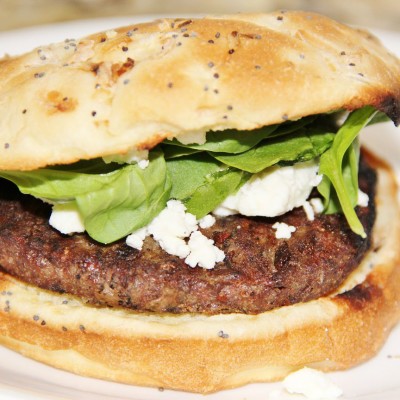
x,y
203,354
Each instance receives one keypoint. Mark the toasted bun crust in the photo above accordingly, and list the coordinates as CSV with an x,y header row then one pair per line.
x,y
132,87
208,353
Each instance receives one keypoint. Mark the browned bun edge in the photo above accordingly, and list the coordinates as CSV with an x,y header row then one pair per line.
x,y
136,85
208,353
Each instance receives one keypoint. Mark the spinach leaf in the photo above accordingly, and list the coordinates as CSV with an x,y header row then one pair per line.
x,y
190,172
339,166
215,190
229,141
297,147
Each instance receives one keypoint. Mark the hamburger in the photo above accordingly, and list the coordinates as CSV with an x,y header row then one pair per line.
x,y
184,203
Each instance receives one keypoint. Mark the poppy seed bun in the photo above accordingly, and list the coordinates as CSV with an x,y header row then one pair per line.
x,y
134,86
200,353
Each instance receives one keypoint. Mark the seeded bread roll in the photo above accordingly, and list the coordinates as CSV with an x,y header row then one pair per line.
x,y
200,353
129,89
134,86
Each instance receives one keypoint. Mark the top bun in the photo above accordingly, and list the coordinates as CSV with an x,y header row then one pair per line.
x,y
134,86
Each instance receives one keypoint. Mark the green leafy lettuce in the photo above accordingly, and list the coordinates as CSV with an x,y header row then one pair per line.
x,y
115,200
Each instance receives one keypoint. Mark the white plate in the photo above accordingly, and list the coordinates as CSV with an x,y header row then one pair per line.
x,y
24,379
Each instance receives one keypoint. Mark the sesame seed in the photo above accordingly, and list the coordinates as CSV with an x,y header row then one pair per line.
x,y
361,74
102,40
231,51
179,44
216,91
64,329
210,64
352,65
65,302
129,33
285,117
124,48
24,111
206,88
183,29
211,41
94,113
216,75
279,18
36,318
81,328
39,75
302,56
257,66
225,117
97,86
234,33
126,81
185,35
258,37
170,84
175,35
43,58
43,323
229,108
6,145
217,35
342,53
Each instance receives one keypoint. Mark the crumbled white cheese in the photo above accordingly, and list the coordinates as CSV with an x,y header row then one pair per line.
x,y
171,227
317,205
133,156
283,231
313,384
136,239
203,252
362,199
312,207
273,191
308,209
65,218
143,164
177,233
207,222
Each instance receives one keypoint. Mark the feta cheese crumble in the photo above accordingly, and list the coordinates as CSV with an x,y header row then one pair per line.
x,y
273,192
65,218
203,252
312,207
362,199
313,384
177,233
283,231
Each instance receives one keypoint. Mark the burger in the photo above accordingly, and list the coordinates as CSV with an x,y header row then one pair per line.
x,y
185,204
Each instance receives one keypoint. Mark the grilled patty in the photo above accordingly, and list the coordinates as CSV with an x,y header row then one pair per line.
x,y
259,272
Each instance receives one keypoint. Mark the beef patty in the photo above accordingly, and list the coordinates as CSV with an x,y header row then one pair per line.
x,y
259,272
